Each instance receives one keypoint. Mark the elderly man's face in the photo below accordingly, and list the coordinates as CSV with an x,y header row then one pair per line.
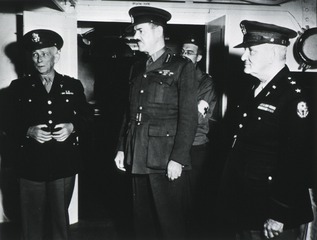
x,y
257,59
146,34
44,59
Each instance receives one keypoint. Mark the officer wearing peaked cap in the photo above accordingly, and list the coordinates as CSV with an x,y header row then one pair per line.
x,y
160,129
266,177
256,33
48,115
149,15
42,38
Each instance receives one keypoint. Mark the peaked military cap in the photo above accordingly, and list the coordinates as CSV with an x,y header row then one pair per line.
x,y
255,33
193,40
149,15
42,38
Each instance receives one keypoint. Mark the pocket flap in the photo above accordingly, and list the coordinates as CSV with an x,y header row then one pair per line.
x,y
164,79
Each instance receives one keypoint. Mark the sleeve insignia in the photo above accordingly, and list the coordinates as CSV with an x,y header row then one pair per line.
x,y
203,107
302,109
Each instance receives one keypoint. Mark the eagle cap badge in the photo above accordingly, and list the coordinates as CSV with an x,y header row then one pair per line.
x,y
35,37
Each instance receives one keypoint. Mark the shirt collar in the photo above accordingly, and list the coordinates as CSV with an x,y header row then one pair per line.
x,y
157,54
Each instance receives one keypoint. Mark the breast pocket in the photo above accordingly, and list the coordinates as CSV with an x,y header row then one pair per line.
x,y
162,89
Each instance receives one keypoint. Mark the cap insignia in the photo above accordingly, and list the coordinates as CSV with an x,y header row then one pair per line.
x,y
243,29
35,37
302,109
132,19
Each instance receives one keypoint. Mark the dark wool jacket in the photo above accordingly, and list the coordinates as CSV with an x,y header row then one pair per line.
x,y
267,172
162,118
29,105
206,92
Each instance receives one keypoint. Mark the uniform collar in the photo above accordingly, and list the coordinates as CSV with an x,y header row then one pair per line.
x,y
275,82
157,54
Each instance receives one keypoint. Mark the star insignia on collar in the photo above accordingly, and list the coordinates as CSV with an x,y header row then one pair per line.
x,y
293,82
298,90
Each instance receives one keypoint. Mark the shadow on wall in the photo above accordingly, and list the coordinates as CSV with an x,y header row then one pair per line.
x,y
9,192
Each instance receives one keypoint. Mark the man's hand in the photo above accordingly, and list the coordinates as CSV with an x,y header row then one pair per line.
x,y
174,170
119,160
62,131
37,133
272,228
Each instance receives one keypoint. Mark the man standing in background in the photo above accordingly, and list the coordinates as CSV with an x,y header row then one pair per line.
x,y
200,178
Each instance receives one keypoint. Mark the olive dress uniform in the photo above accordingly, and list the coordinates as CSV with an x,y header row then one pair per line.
x,y
266,173
160,126
46,170
33,105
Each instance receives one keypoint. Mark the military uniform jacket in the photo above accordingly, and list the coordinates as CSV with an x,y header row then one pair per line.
x,y
162,117
266,173
206,92
30,105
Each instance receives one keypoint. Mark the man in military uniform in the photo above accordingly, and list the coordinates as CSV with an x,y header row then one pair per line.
x,y
159,130
49,115
265,184
200,179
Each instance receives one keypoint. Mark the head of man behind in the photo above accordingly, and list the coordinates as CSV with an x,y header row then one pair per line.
x,y
192,49
265,48
148,24
44,46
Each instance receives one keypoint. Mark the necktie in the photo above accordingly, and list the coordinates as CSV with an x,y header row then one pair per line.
x,y
258,89
149,61
48,85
